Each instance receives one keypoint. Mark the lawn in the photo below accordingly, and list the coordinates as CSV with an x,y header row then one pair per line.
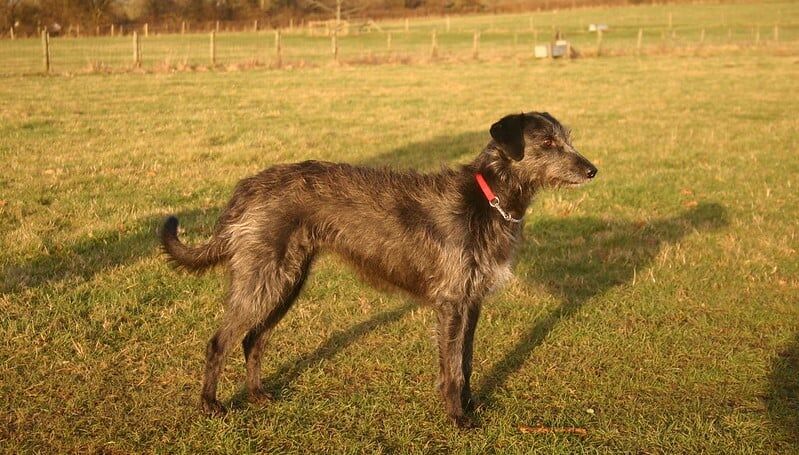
x,y
657,308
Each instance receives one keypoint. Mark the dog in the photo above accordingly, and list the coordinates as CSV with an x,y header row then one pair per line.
x,y
446,238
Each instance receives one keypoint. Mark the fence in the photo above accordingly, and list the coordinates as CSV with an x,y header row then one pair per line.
x,y
441,38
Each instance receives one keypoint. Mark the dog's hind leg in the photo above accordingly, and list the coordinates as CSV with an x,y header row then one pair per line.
x,y
255,340
240,316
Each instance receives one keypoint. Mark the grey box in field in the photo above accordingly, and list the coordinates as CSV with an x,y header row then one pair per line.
x,y
560,49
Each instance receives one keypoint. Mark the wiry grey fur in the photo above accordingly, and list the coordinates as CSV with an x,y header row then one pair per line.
x,y
432,235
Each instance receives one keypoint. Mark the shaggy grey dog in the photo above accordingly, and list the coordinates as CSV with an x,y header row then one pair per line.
x,y
446,238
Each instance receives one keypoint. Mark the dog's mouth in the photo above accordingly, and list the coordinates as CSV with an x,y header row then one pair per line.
x,y
570,183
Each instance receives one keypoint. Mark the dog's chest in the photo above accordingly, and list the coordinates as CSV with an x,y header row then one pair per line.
x,y
501,275
490,275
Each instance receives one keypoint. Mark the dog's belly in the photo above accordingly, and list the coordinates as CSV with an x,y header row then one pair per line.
x,y
393,271
406,253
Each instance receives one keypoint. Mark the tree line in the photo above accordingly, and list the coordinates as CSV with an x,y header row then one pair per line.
x,y
30,15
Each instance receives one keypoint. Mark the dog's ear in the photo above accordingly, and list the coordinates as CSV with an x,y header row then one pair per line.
x,y
509,134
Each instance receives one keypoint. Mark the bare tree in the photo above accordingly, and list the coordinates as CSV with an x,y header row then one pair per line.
x,y
333,7
8,12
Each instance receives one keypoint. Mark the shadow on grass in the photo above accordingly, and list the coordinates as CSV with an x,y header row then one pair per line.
x,y
583,257
88,256
279,382
782,400
91,255
430,155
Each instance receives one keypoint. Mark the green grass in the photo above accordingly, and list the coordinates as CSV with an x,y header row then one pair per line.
x,y
656,307
728,27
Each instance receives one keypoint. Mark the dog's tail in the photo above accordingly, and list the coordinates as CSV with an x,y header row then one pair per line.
x,y
191,258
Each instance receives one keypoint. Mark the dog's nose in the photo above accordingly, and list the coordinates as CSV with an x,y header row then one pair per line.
x,y
591,173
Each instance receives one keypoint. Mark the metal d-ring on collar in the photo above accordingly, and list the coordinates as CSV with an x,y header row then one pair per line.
x,y
507,216
493,200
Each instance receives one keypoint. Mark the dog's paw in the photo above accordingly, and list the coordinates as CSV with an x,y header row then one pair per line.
x,y
259,396
469,404
463,422
213,408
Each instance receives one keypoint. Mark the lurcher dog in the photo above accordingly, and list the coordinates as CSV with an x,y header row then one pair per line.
x,y
446,238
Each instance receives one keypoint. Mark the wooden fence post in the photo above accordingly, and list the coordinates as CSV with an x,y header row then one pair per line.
x,y
434,45
388,41
77,31
255,25
278,50
216,27
640,41
182,27
136,50
11,32
46,51
213,48
112,29
291,24
476,45
334,44
598,42
407,25
146,29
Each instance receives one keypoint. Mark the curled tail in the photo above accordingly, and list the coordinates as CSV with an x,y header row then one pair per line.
x,y
191,258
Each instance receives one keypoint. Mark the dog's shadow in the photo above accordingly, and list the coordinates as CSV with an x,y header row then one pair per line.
x,y
782,400
578,258
431,154
575,258
88,256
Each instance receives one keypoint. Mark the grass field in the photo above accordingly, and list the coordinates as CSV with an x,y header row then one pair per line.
x,y
657,308
694,29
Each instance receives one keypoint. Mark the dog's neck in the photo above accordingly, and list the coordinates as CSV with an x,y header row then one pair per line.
x,y
514,194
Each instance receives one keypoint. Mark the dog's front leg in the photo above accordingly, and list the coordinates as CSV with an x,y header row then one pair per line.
x,y
456,324
472,314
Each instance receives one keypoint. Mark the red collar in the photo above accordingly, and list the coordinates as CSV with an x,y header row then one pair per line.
x,y
492,199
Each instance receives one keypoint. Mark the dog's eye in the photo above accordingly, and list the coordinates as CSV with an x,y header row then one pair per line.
x,y
548,143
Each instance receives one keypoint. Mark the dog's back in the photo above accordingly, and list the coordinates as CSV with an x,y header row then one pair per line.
x,y
394,226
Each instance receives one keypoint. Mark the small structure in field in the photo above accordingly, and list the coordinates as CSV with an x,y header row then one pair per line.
x,y
597,27
542,51
560,48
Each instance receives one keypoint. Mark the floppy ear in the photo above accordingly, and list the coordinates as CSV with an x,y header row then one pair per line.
x,y
509,134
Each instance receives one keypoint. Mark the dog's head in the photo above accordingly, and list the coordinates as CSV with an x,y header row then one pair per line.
x,y
537,150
